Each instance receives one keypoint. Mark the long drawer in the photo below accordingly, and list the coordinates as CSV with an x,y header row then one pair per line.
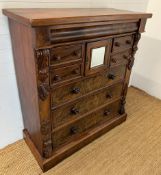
x,y
73,130
77,109
70,92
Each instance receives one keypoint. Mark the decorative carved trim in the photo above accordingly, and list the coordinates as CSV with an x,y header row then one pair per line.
x,y
129,66
43,56
42,52
45,127
47,148
134,49
123,100
43,75
122,107
43,91
46,135
42,63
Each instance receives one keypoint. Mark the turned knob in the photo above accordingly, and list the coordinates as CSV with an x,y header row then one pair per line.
x,y
111,76
107,112
57,78
76,90
109,95
76,71
74,111
125,57
77,53
73,130
113,60
117,44
128,42
57,57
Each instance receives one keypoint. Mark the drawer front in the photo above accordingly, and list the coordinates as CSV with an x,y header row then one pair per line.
x,y
77,109
80,31
75,90
65,73
121,58
122,43
64,54
73,130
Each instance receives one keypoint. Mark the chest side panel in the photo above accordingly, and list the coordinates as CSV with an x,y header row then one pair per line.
x,y
25,67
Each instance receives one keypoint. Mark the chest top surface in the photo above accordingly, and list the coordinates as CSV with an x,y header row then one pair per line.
x,y
50,16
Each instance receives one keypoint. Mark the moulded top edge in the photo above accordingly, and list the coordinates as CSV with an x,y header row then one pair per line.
x,y
54,16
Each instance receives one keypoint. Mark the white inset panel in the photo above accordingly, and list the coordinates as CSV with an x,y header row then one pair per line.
x,y
97,57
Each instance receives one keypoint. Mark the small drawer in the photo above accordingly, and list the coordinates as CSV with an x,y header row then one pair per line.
x,y
117,72
122,43
65,73
121,58
68,112
71,92
64,54
72,131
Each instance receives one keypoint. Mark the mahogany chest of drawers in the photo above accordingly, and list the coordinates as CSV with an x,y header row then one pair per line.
x,y
73,68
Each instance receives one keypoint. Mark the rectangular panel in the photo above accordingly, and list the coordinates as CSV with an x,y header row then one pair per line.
x,y
97,56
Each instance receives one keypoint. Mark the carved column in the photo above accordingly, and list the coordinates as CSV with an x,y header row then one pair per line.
x,y
128,72
134,49
43,56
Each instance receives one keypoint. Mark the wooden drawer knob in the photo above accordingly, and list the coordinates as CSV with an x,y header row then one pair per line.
x,y
128,41
77,53
109,95
107,112
113,60
111,76
76,71
73,130
125,57
117,44
57,57
76,90
57,78
74,111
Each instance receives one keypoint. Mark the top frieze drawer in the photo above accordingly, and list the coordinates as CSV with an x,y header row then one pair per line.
x,y
75,32
59,33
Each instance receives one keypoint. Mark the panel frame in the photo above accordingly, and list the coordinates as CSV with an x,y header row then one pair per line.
x,y
93,45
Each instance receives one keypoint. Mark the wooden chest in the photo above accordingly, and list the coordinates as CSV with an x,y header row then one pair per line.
x,y
73,68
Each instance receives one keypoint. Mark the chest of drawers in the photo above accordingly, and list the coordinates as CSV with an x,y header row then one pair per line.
x,y
73,68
